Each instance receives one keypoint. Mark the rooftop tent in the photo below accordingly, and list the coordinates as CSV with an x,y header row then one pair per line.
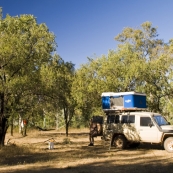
x,y
111,100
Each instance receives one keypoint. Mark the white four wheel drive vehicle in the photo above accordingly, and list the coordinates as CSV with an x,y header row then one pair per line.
x,y
132,128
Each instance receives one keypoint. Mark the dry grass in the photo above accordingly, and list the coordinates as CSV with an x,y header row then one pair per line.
x,y
72,154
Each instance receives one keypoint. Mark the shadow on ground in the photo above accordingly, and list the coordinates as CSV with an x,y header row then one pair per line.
x,y
78,157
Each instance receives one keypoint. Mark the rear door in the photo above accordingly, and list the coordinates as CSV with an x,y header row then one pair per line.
x,y
110,125
128,122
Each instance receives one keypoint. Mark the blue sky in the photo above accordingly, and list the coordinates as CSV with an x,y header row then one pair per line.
x,y
86,28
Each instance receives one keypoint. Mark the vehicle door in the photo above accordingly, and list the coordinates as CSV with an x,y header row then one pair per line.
x,y
128,123
111,124
148,132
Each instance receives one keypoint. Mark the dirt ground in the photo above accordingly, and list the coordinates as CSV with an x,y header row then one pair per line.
x,y
30,154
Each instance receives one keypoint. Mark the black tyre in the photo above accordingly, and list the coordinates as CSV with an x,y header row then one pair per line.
x,y
134,145
168,145
120,142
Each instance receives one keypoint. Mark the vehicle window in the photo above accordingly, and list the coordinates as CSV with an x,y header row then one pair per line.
x,y
160,120
131,119
124,119
113,119
145,121
128,119
117,118
110,119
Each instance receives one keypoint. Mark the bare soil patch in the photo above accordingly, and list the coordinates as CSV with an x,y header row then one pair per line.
x,y
73,155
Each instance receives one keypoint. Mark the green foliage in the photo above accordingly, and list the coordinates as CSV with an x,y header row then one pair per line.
x,y
24,47
39,85
57,77
87,88
141,63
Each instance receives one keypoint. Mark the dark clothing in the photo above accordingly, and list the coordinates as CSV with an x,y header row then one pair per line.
x,y
95,128
93,132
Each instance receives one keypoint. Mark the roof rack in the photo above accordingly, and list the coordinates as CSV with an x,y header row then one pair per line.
x,y
120,110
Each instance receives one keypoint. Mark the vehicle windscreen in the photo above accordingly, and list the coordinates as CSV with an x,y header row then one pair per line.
x,y
160,120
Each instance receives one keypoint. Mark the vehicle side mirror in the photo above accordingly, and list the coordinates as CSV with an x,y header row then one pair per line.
x,y
150,124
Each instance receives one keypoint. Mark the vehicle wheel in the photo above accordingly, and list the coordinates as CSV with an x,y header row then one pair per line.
x,y
168,144
134,145
120,142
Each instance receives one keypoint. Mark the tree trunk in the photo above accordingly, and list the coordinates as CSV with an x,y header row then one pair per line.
x,y
20,121
66,128
3,130
3,121
66,121
68,114
12,127
44,122
24,131
57,122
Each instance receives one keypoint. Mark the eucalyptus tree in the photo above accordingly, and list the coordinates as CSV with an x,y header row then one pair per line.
x,y
167,101
143,39
57,77
121,69
24,46
153,51
88,87
140,63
